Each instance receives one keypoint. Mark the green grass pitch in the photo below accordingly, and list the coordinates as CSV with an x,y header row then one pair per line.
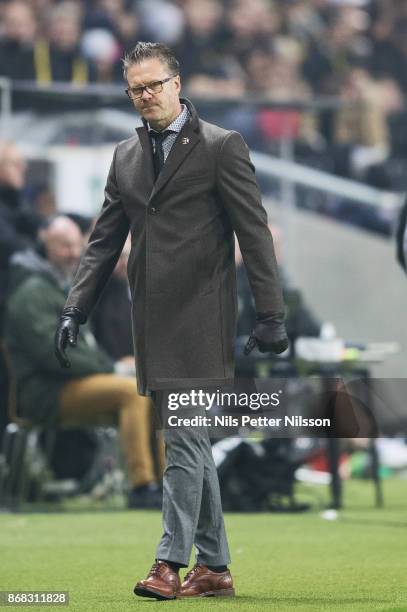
x,y
279,561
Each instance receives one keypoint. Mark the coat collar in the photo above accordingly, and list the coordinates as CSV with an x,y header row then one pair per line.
x,y
186,140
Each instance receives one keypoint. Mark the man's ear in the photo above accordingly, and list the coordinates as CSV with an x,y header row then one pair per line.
x,y
177,82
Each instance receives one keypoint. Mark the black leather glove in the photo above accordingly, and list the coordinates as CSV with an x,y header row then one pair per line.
x,y
269,334
67,332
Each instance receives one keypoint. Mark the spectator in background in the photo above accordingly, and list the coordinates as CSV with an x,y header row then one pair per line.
x,y
276,76
18,41
18,223
110,27
41,10
59,56
250,25
124,23
331,53
207,71
343,42
364,122
199,48
385,57
45,393
389,47
362,127
303,20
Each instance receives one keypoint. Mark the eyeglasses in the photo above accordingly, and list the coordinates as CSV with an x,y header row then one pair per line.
x,y
135,93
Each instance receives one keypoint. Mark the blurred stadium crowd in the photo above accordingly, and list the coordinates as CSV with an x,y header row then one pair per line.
x,y
279,48
354,51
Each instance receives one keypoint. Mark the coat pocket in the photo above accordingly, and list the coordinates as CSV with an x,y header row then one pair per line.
x,y
192,178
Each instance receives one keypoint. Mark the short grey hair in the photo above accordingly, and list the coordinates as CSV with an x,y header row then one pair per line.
x,y
148,50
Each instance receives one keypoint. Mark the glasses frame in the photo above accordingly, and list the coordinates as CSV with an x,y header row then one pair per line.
x,y
146,87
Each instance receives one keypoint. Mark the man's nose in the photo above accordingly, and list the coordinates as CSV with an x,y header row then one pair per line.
x,y
146,95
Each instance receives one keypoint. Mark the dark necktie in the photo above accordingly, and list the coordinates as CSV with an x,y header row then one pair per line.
x,y
158,151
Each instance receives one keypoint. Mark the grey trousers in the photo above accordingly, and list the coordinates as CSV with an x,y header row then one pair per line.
x,y
192,509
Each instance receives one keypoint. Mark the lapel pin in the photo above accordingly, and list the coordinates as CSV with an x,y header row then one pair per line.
x,y
185,140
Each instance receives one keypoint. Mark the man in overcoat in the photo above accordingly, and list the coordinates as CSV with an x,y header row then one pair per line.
x,y
183,188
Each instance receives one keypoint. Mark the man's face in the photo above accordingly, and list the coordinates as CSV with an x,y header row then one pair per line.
x,y
159,109
64,31
64,244
12,167
19,23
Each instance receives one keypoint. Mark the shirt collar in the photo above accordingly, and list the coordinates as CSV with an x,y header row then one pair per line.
x,y
178,123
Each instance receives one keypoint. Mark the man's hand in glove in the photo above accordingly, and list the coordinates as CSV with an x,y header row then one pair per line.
x,y
67,332
269,334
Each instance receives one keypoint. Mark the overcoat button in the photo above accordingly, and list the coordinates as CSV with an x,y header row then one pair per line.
x,y
153,210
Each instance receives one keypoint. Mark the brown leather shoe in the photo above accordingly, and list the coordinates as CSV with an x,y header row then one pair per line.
x,y
202,582
161,583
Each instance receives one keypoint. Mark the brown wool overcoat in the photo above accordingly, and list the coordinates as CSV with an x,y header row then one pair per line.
x,y
181,267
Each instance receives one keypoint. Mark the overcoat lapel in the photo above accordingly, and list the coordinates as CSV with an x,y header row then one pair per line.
x,y
186,140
